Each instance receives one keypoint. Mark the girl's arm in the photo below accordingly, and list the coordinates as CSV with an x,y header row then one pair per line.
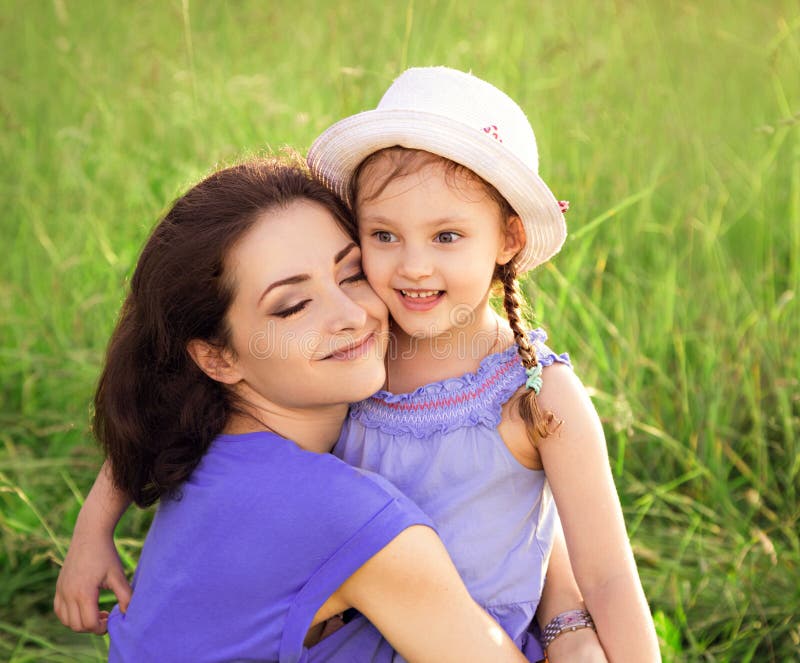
x,y
575,460
92,562
412,593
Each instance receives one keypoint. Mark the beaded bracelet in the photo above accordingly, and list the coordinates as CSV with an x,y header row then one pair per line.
x,y
571,620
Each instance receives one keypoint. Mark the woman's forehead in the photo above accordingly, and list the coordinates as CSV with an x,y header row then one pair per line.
x,y
302,237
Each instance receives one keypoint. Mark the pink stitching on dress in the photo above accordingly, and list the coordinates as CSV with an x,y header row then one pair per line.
x,y
468,400
457,399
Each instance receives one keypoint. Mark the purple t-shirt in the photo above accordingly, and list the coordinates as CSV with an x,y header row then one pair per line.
x,y
261,536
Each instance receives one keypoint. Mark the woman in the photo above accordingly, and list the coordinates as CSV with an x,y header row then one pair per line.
x,y
248,329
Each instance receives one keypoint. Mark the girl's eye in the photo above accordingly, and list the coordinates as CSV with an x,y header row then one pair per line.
x,y
447,237
285,313
384,236
355,278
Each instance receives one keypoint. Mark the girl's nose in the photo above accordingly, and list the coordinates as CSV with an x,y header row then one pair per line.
x,y
415,264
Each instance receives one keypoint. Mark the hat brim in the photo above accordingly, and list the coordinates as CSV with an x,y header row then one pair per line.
x,y
341,148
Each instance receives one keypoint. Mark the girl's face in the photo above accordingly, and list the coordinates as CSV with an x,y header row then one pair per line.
x,y
306,328
430,244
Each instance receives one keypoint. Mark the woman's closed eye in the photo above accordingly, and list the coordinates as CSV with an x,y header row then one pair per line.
x,y
355,278
291,310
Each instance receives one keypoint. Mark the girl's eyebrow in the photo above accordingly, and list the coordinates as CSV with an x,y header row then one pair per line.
x,y
433,223
299,278
373,219
448,221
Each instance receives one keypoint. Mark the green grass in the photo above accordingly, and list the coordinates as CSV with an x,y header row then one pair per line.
x,y
674,129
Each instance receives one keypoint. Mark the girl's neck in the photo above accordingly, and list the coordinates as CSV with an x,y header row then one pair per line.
x,y
416,361
315,430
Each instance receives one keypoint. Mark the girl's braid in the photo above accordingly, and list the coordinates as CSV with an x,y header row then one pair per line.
x,y
539,424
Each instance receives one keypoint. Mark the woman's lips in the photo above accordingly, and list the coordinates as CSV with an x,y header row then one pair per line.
x,y
418,299
354,350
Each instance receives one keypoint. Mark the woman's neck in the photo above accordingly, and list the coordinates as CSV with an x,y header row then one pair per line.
x,y
315,430
416,361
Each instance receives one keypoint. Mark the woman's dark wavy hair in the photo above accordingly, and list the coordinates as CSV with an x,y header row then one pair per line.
x,y
156,412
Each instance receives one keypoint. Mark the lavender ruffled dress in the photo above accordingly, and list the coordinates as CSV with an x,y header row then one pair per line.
x,y
440,446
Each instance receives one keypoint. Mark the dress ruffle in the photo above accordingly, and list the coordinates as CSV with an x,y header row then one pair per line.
x,y
471,399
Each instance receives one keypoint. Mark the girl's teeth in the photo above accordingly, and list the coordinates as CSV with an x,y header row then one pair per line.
x,y
419,294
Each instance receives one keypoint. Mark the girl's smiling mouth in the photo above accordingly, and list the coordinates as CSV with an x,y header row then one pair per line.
x,y
416,299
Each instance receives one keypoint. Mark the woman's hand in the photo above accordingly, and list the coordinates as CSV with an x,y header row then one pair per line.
x,y
560,594
91,564
580,646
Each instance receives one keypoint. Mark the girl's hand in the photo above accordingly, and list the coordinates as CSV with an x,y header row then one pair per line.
x,y
91,564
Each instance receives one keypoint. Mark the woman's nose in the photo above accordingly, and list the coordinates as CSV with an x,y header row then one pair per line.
x,y
346,313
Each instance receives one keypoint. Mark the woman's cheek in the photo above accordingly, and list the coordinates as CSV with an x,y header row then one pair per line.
x,y
366,297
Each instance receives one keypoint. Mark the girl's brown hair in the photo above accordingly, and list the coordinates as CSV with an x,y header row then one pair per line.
x,y
403,162
156,412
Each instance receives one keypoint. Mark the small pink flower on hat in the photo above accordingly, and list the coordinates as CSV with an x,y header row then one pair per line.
x,y
563,206
493,131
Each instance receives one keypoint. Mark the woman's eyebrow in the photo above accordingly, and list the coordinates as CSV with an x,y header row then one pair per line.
x,y
344,252
298,278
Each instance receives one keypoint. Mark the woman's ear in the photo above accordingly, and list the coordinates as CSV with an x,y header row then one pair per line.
x,y
215,361
513,240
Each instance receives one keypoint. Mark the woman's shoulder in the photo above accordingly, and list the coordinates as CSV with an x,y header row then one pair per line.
x,y
263,469
255,461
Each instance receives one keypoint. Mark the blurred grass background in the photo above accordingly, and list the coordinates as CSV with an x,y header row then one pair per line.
x,y
673,128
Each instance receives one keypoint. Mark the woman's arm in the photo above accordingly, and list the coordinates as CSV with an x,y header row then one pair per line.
x,y
561,591
92,562
412,593
561,594
575,459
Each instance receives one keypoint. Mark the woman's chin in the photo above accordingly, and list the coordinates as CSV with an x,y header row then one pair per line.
x,y
366,384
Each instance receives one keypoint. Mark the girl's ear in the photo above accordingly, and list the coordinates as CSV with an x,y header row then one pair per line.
x,y
216,362
514,240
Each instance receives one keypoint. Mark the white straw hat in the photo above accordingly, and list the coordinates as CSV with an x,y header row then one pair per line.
x,y
462,118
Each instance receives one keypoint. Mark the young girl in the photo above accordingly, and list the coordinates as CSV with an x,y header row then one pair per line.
x,y
476,410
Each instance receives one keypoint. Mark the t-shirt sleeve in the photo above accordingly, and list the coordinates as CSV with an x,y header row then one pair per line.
x,y
373,512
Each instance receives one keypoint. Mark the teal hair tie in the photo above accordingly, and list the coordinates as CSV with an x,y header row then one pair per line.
x,y
534,380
